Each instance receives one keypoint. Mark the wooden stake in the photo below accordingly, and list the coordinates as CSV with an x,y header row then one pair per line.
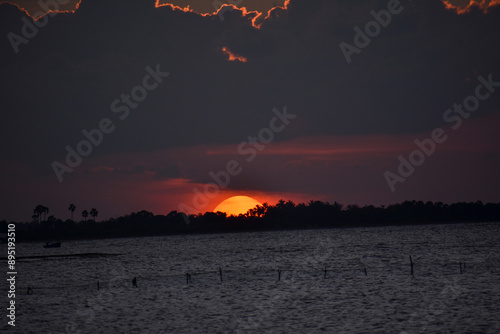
x,y
411,264
220,273
366,274
325,274
279,275
460,264
97,285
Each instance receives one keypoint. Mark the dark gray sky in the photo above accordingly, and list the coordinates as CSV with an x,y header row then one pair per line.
x,y
352,120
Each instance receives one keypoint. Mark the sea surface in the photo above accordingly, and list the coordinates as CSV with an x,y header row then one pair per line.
x,y
310,281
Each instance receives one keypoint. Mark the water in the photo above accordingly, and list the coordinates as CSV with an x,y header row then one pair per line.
x,y
251,299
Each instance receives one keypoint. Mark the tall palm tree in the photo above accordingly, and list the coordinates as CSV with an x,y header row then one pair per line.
x,y
85,214
72,208
94,213
39,210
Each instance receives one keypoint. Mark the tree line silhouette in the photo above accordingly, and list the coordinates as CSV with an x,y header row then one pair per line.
x,y
43,210
282,216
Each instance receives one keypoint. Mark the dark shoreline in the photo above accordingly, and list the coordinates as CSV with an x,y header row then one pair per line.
x,y
229,231
283,216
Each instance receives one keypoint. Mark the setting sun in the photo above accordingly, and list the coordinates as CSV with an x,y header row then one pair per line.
x,y
237,205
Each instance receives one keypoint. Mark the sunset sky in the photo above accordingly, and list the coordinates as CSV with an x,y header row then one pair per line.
x,y
178,94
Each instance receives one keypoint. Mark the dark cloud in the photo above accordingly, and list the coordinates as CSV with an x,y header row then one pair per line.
x,y
168,172
65,78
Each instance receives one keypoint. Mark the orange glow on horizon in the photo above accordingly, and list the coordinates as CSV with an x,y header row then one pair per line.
x,y
237,205
233,56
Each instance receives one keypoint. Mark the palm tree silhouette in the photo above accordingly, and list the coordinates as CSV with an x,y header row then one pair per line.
x,y
72,208
85,214
39,210
94,213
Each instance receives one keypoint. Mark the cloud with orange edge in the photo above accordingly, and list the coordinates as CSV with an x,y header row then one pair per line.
x,y
483,5
233,56
255,14
38,9
256,11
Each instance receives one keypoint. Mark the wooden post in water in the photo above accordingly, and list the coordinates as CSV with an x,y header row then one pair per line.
x,y
97,285
325,274
366,274
460,264
411,264
188,277
220,273
279,275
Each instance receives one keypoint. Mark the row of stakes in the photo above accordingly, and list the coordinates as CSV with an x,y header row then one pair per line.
x,y
189,280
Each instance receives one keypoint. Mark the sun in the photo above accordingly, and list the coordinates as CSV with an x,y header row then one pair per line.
x,y
237,205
